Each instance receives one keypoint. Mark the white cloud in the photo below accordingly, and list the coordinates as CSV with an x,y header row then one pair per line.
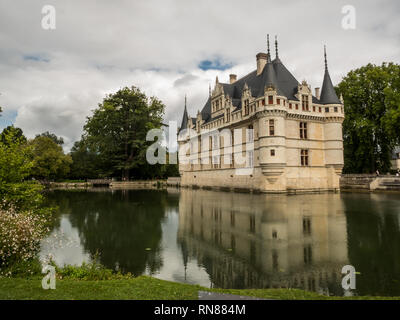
x,y
52,79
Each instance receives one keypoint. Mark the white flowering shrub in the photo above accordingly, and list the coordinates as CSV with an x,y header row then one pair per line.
x,y
20,235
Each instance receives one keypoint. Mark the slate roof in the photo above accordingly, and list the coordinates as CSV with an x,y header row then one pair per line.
x,y
185,119
274,73
328,93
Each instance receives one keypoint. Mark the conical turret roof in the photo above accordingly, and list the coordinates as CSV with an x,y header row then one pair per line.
x,y
328,93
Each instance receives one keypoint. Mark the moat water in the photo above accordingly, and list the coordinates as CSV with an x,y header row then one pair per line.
x,y
234,240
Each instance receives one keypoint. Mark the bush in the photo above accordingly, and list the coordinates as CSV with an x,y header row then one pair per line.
x,y
20,235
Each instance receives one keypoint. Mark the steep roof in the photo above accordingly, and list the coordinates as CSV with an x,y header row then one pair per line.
x,y
274,73
185,118
328,93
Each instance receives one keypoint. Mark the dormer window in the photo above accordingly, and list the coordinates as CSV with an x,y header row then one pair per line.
x,y
304,102
246,107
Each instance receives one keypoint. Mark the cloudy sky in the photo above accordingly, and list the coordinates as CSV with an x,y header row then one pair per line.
x,y
50,80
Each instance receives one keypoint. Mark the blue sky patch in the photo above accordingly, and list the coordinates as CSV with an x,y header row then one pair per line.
x,y
7,118
215,64
36,57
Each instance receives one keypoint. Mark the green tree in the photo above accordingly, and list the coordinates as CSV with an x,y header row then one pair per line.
x,y
49,160
85,163
15,167
372,113
16,133
52,136
117,131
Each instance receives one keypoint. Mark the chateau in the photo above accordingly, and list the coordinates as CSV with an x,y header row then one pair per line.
x,y
291,140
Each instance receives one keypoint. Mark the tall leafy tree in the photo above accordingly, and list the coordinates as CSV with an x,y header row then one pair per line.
x,y
85,162
52,136
16,134
372,113
117,130
49,160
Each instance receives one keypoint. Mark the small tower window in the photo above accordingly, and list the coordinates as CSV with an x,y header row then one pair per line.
x,y
270,99
327,109
290,106
271,127
273,153
278,101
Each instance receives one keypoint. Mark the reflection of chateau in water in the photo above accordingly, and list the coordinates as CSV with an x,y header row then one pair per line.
x,y
277,241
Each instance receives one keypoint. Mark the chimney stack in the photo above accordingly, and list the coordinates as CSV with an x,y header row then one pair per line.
x,y
317,93
261,62
232,78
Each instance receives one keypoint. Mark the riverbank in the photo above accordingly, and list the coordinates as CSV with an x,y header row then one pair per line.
x,y
142,288
348,183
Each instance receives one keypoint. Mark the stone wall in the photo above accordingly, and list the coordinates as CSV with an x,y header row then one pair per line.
x,y
138,184
68,185
368,182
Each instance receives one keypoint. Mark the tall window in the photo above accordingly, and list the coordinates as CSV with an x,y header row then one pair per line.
x,y
216,163
228,115
250,134
232,218
270,99
303,130
252,223
246,107
306,226
304,101
250,155
271,127
215,142
307,254
304,157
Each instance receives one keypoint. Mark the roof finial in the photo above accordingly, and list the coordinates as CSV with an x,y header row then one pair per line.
x,y
276,47
268,51
185,100
326,61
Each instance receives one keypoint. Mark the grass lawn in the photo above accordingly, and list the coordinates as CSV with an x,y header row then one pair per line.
x,y
140,288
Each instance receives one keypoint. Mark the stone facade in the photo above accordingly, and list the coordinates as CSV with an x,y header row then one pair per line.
x,y
265,132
